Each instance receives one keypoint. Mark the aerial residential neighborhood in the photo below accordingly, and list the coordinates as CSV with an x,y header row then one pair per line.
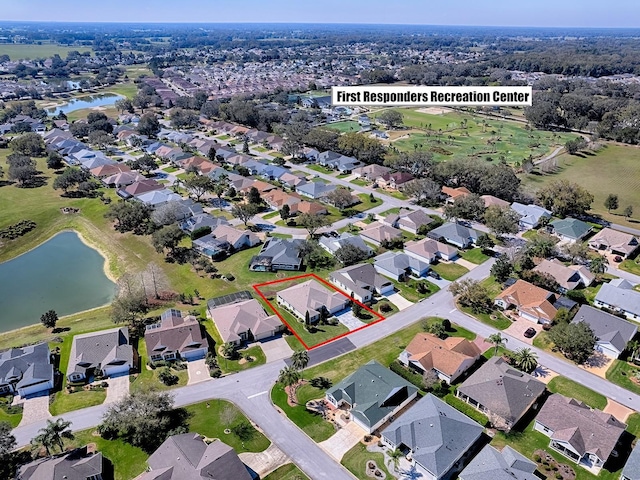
x,y
213,266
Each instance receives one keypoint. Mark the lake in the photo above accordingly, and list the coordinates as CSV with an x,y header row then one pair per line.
x,y
99,100
62,274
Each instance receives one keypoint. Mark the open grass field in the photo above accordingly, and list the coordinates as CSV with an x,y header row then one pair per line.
x,y
46,50
448,135
612,169
344,127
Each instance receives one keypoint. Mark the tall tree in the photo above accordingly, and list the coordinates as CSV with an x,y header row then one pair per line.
x,y
575,340
468,207
288,377
54,434
525,359
611,202
312,223
471,293
501,220
628,212
497,341
244,212
565,198
148,125
300,359
198,185
598,264
167,238
502,268
390,118
49,319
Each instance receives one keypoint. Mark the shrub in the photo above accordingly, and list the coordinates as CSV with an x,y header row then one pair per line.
x,y
385,308
229,276
407,374
17,229
200,232
166,377
321,383
215,372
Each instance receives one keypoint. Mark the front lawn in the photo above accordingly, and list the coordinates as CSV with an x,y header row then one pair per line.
x,y
355,460
569,388
319,334
9,414
211,418
449,271
271,215
360,182
170,169
631,266
243,363
475,255
148,379
621,373
496,319
409,291
321,169
287,472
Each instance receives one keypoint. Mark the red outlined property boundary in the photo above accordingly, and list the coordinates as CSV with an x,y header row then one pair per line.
x,y
313,276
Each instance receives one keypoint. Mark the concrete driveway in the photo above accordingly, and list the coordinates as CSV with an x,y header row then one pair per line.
x,y
619,411
398,300
517,329
343,440
276,349
118,388
34,409
465,263
349,320
263,463
198,371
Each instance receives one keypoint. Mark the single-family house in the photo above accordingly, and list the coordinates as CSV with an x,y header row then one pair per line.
x,y
490,200
278,254
333,244
202,220
79,464
568,277
453,194
175,337
312,297
238,239
530,301
109,169
584,435
408,220
619,297
530,215
493,464
140,187
157,198
371,172
338,161
315,190
361,281
614,242
26,371
569,229
501,392
399,265
449,358
394,180
631,470
434,435
188,456
123,179
455,234
106,352
211,246
612,333
429,250
378,232
244,321
291,180
372,394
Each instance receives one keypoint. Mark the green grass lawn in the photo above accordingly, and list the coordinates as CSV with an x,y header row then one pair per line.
x,y
355,460
321,169
365,203
343,175
613,169
449,271
9,414
631,266
394,210
360,182
281,235
287,472
621,373
320,334
147,379
45,50
344,127
467,409
271,215
211,422
499,321
223,137
170,169
569,388
408,289
260,149
475,255
255,352
128,461
633,424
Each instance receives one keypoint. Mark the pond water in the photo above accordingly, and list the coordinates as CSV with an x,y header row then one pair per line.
x,y
100,100
62,274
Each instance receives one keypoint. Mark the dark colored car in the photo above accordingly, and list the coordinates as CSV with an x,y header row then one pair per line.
x,y
617,259
434,274
530,332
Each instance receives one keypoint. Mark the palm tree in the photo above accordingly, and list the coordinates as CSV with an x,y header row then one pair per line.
x,y
633,347
300,359
525,359
497,341
395,456
288,377
598,265
54,433
228,349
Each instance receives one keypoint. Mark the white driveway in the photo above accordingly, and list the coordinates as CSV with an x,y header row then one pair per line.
x,y
465,263
265,462
343,440
34,409
398,300
275,349
118,388
349,320
198,371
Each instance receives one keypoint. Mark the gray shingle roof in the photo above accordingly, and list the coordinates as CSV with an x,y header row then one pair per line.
x,y
333,244
174,333
571,228
27,365
76,465
622,298
188,457
437,434
631,469
371,391
91,350
399,262
502,389
608,328
361,278
491,464
280,251
454,232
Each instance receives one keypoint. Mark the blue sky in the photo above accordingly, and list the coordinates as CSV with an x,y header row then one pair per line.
x,y
547,13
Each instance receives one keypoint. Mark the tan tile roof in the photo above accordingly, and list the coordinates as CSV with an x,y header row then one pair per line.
x,y
455,192
311,296
530,299
445,356
236,318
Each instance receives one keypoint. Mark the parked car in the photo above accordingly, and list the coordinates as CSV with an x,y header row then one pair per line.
x,y
434,274
530,332
617,259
